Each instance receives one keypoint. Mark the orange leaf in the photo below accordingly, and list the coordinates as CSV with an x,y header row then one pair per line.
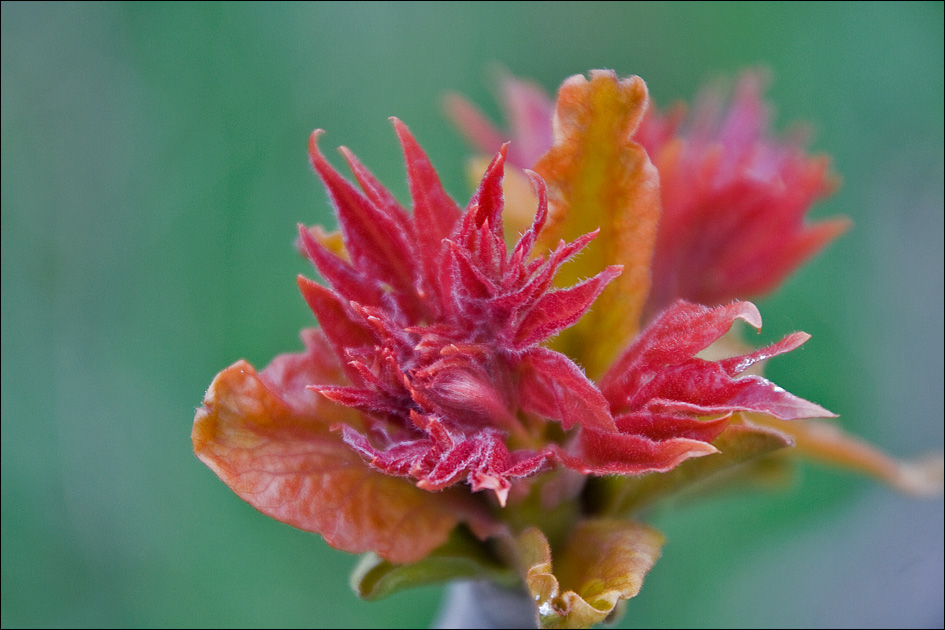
x,y
825,442
599,177
288,465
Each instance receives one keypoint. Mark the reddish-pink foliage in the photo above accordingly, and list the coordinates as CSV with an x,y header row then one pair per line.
x,y
427,373
734,196
528,111
267,437
660,393
734,200
437,323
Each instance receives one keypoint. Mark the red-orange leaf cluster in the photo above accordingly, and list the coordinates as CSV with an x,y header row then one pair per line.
x,y
449,361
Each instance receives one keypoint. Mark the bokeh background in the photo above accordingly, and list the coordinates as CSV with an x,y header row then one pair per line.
x,y
153,173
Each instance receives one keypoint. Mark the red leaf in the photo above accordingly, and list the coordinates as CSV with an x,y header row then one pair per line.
x,y
657,426
379,196
734,200
554,387
607,453
377,242
336,319
434,213
679,333
559,309
488,201
347,280
660,373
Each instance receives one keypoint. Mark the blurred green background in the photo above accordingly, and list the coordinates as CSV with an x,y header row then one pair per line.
x,y
153,173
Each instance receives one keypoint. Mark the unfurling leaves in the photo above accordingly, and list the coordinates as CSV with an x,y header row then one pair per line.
x,y
441,419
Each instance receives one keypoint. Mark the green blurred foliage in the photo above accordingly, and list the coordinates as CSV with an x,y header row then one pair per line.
x,y
154,171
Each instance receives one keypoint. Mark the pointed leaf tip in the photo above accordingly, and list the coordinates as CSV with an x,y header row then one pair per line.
x,y
740,442
313,143
748,313
489,197
435,214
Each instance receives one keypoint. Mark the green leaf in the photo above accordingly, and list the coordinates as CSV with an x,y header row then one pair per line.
x,y
461,557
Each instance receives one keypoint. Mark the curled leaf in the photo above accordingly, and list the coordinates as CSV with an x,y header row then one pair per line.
x,y
603,562
660,372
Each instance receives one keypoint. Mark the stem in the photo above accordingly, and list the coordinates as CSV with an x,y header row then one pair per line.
x,y
484,604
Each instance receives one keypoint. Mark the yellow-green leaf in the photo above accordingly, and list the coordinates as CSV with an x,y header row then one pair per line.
x,y
602,563
462,557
